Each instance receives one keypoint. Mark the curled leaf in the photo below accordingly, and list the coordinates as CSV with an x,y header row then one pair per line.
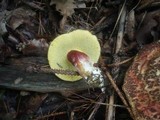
x,y
65,7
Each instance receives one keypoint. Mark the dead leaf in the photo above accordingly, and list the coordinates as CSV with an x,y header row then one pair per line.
x,y
35,101
65,7
147,28
146,3
18,80
3,17
20,16
130,26
34,47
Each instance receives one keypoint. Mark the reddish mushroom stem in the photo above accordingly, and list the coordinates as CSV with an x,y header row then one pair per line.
x,y
81,62
85,67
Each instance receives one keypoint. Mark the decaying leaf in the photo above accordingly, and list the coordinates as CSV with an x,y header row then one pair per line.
x,y
65,7
20,16
34,47
35,101
147,3
147,29
3,17
130,25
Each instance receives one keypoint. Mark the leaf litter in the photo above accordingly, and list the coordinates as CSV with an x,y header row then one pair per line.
x,y
26,29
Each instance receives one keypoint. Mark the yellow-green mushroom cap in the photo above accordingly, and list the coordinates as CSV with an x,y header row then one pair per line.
x,y
81,40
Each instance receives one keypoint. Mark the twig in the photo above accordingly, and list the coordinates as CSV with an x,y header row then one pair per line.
x,y
119,93
118,19
18,106
115,73
5,106
120,63
149,4
135,6
33,5
41,29
111,109
95,102
72,115
50,115
116,59
89,13
96,107
121,30
99,22
145,13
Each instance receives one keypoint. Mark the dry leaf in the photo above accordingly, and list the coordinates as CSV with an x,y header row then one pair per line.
x,y
145,34
34,47
130,25
20,16
65,7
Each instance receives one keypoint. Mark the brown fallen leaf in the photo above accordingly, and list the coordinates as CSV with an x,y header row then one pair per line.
x,y
145,32
34,47
35,101
65,7
20,16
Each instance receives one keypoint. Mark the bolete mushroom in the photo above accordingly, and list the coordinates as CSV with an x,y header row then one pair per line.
x,y
142,83
77,51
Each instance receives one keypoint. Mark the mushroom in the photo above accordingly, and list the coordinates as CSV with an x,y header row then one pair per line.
x,y
142,83
77,51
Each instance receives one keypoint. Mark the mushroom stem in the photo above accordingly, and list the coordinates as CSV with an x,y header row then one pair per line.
x,y
81,62
85,68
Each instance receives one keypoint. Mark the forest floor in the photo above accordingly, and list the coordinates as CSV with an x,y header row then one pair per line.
x,y
28,26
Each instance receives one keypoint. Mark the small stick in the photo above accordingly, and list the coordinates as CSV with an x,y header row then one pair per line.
x,y
96,107
111,109
120,63
121,31
119,92
115,70
118,19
